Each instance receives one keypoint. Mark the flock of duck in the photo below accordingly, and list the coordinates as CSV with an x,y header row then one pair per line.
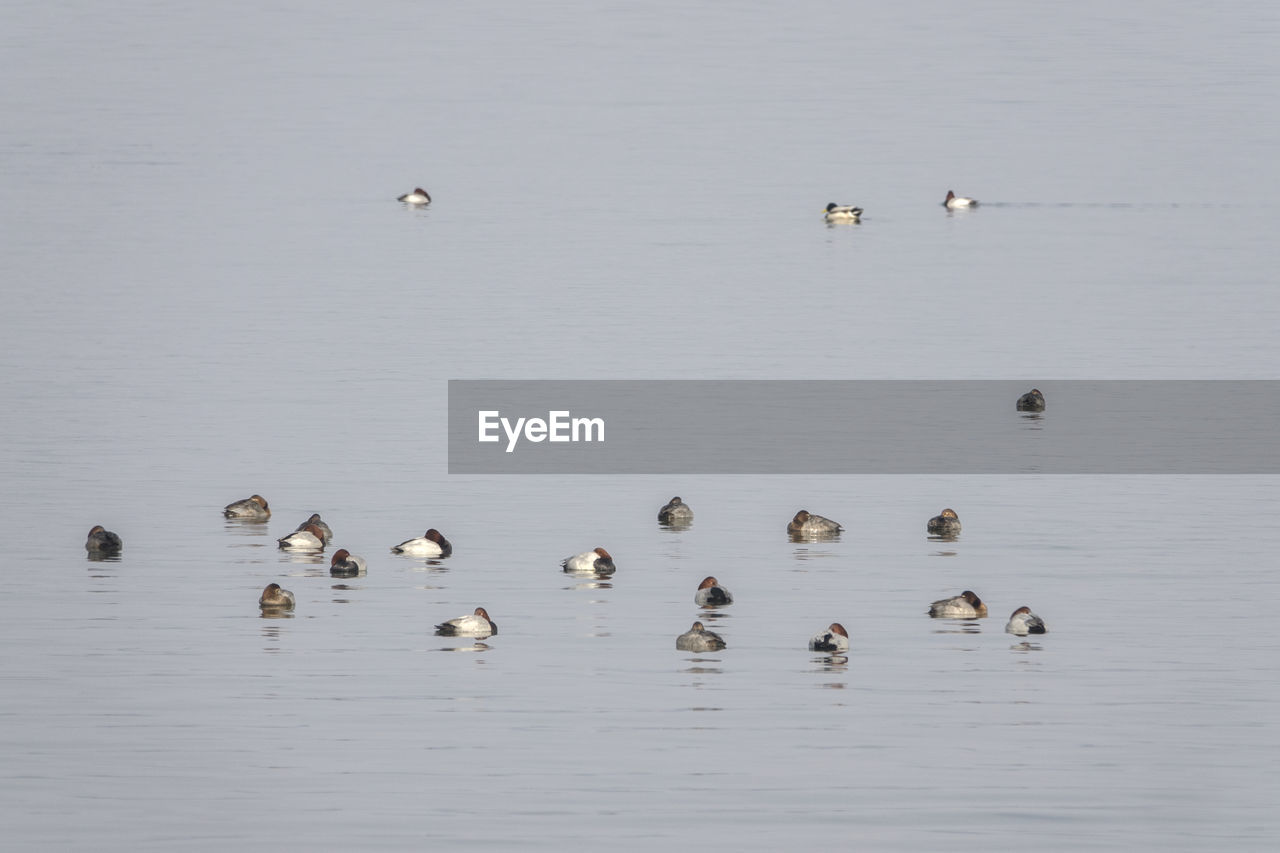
x,y
833,214
314,535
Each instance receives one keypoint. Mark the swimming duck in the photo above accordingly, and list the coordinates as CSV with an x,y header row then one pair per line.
x,y
838,213
699,639
675,510
595,562
1024,622
255,508
103,540
966,605
1032,401
477,624
419,196
309,538
807,524
834,639
945,523
315,521
429,544
711,594
274,597
954,201
346,565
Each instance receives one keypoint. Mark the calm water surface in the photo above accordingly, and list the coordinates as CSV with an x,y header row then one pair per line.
x,y
209,291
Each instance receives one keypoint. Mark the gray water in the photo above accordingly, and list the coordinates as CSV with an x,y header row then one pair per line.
x,y
210,291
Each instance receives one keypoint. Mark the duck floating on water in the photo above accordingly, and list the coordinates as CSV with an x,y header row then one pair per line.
x,y
953,201
1024,622
103,541
842,213
419,196
699,639
254,508
1032,401
966,605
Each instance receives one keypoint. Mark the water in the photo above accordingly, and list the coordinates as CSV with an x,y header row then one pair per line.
x,y
210,292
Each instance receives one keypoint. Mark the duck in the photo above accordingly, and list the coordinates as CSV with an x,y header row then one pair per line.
x,y
597,562
1023,622
275,597
839,213
1032,401
711,594
429,544
808,524
966,605
103,540
954,201
945,523
675,510
699,639
477,624
346,565
316,522
252,507
834,639
309,538
419,196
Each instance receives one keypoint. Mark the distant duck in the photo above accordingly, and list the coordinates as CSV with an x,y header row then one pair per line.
x,y
315,521
591,562
845,213
309,538
834,639
1024,622
808,524
699,639
966,605
477,624
103,541
675,510
429,544
253,508
419,196
954,201
711,594
1032,401
347,565
274,597
946,523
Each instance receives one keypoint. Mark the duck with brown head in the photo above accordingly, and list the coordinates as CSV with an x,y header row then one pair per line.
x,y
953,201
430,544
347,565
308,538
103,541
275,597
596,562
806,523
1024,622
711,594
417,198
966,605
834,639
945,524
1032,401
477,624
252,508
